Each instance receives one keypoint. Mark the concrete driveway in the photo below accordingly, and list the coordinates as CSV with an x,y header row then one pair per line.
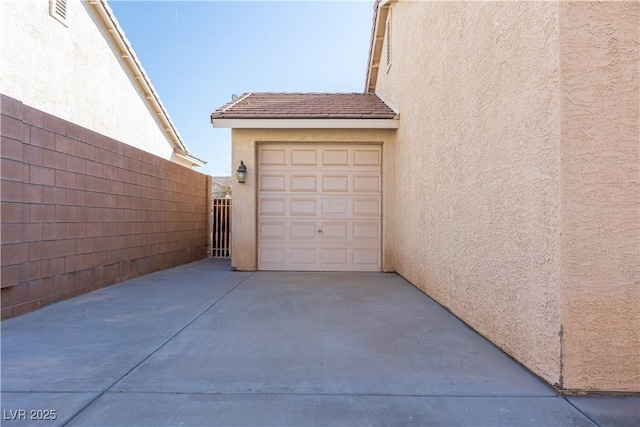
x,y
200,345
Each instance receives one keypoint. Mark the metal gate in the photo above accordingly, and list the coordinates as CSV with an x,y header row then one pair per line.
x,y
221,246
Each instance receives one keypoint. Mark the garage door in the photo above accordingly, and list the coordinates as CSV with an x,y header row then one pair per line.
x,y
319,207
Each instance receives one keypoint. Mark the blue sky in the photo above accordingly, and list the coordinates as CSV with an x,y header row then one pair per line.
x,y
199,53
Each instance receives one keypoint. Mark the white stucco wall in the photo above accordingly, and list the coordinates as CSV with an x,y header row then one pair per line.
x,y
74,73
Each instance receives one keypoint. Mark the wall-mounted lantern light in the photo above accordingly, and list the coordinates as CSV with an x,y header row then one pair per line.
x,y
241,173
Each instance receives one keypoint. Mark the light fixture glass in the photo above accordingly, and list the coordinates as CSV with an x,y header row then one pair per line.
x,y
241,173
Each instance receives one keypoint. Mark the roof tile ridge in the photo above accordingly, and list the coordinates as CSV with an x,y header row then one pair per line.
x,y
235,102
387,103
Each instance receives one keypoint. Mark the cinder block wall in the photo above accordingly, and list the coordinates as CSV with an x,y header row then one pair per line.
x,y
81,211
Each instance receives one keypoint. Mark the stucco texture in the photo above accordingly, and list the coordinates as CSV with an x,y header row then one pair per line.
x,y
600,195
244,213
476,86
75,73
517,185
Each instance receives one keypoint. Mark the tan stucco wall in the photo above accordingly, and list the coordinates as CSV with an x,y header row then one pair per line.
x,y
600,195
517,184
73,73
476,86
244,142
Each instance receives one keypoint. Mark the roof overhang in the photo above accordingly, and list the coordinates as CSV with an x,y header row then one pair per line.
x,y
306,123
380,14
186,156
139,75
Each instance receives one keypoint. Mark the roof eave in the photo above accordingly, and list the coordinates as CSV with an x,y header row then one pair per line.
x,y
375,48
127,54
193,160
306,123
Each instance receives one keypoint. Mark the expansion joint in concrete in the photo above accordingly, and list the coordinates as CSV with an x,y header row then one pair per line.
x,y
108,389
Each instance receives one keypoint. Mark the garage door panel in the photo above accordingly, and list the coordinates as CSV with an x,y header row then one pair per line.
x,y
303,207
335,230
335,206
334,256
273,255
367,157
272,182
304,256
304,157
335,183
273,156
366,231
306,231
335,157
366,207
367,183
301,182
319,207
272,206
366,257
272,231
319,257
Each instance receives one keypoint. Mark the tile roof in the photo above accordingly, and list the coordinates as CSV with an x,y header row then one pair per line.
x,y
305,106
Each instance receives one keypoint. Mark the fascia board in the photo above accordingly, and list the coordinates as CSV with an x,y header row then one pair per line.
x,y
138,73
306,123
194,161
188,157
380,17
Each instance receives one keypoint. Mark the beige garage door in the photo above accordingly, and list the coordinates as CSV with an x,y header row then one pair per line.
x,y
319,207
